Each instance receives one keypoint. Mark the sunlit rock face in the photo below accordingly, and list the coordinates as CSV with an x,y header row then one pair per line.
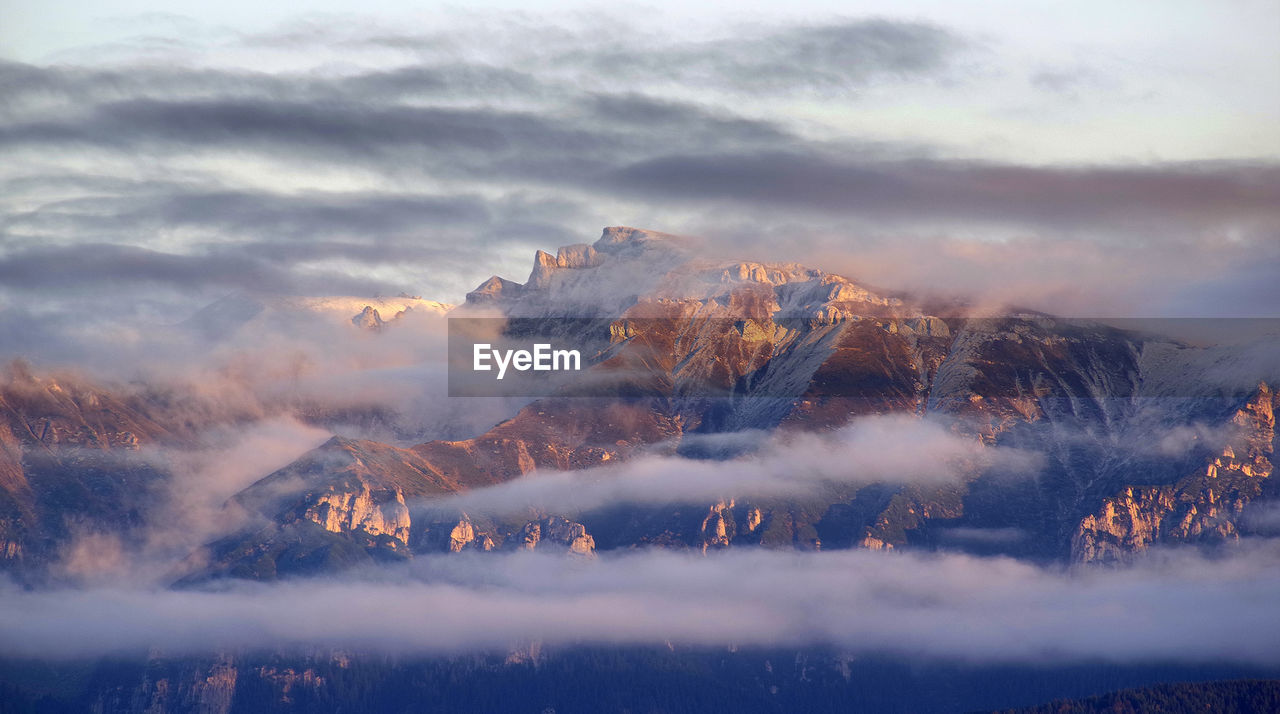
x,y
446,532
461,535
374,513
1205,506
727,524
556,534
717,528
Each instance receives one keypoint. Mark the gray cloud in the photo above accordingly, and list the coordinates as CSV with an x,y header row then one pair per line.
x,y
311,216
337,127
835,58
552,145
143,179
90,266
1066,80
36,88
1136,197
839,56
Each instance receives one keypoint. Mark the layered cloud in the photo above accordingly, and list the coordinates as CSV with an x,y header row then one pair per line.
x,y
1175,606
358,157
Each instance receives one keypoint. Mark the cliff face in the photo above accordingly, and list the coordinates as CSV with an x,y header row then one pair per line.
x,y
381,513
1205,506
174,687
556,534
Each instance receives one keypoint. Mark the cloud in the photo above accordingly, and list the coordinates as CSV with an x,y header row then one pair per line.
x,y
888,449
94,558
1262,518
411,172
90,266
256,353
34,87
951,190
1175,606
426,160
831,58
1168,274
229,459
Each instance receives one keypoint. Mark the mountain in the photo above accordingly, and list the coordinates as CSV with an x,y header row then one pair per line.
x,y
691,347
1128,438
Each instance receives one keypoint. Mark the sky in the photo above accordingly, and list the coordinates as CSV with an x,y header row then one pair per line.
x,y
1078,158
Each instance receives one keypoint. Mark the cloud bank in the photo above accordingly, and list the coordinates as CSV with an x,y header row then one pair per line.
x,y
1172,606
882,449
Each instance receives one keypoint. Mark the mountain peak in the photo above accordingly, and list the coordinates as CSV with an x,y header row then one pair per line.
x,y
616,238
630,265
616,243
493,289
368,319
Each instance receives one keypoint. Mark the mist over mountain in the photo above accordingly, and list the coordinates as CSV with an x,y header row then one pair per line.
x,y
795,419
927,360
773,407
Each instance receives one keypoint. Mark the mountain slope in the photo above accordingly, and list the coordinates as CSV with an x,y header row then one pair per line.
x,y
705,347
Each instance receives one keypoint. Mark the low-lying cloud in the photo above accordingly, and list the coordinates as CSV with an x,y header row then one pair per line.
x,y
1170,606
191,508
882,449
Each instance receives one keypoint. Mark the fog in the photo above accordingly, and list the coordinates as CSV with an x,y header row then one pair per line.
x,y
897,449
1170,606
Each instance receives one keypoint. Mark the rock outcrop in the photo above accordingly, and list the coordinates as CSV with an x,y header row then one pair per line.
x,y
380,513
557,534
1203,507
368,319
